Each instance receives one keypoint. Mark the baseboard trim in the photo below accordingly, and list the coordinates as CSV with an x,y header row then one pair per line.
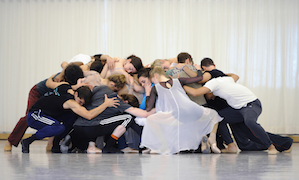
x,y
4,136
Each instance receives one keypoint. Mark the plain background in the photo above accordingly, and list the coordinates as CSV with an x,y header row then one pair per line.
x,y
256,39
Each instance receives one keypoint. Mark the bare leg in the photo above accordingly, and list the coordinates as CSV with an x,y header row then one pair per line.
x,y
119,131
50,144
272,150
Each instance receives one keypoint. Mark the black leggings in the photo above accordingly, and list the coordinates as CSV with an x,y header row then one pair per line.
x,y
81,135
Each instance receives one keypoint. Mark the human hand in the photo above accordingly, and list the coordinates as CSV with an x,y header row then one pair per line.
x,y
180,65
59,78
197,67
147,88
153,111
110,63
111,102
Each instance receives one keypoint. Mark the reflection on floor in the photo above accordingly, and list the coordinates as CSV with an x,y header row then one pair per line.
x,y
245,165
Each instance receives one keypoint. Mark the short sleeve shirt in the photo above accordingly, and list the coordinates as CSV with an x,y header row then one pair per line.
x,y
236,95
98,98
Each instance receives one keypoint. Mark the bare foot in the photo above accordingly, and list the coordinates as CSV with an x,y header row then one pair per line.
x,y
272,150
231,148
92,149
129,150
49,147
7,146
288,150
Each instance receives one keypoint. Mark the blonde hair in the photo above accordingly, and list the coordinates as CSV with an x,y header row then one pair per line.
x,y
156,63
118,79
157,70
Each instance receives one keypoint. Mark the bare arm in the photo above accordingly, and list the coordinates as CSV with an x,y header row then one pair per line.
x,y
234,76
189,72
51,84
109,61
83,112
64,65
205,77
104,73
196,92
139,112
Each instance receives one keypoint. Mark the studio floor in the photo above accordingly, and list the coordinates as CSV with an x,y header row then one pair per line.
x,y
245,165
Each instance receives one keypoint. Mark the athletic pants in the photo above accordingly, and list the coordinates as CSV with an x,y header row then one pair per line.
x,y
46,126
21,127
246,140
81,135
249,116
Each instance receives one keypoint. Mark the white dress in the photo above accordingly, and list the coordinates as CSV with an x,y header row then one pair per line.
x,y
178,123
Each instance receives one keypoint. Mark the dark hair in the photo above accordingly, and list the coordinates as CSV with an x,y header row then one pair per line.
x,y
206,62
96,66
85,93
136,61
132,100
97,57
131,56
72,73
144,72
183,56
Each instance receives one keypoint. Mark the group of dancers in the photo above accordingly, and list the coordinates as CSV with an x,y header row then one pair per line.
x,y
99,104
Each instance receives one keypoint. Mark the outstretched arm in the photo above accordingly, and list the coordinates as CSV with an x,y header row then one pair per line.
x,y
196,92
185,81
234,76
139,112
83,112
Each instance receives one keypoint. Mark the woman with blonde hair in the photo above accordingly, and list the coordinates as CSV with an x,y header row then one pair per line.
x,y
179,124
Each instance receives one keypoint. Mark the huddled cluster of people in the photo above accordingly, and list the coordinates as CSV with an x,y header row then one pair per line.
x,y
99,104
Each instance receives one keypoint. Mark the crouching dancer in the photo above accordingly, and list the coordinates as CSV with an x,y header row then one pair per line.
x,y
112,123
57,106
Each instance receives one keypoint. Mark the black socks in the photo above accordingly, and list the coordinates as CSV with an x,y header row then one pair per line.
x,y
26,142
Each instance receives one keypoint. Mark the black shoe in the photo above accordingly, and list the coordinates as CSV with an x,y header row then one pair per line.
x,y
77,150
55,150
64,147
111,150
25,146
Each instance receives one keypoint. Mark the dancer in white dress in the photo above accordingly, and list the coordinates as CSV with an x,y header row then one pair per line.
x,y
178,124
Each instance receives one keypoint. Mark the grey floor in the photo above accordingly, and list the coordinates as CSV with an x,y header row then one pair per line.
x,y
245,165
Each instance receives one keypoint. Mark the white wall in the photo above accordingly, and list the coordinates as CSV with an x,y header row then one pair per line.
x,y
258,40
